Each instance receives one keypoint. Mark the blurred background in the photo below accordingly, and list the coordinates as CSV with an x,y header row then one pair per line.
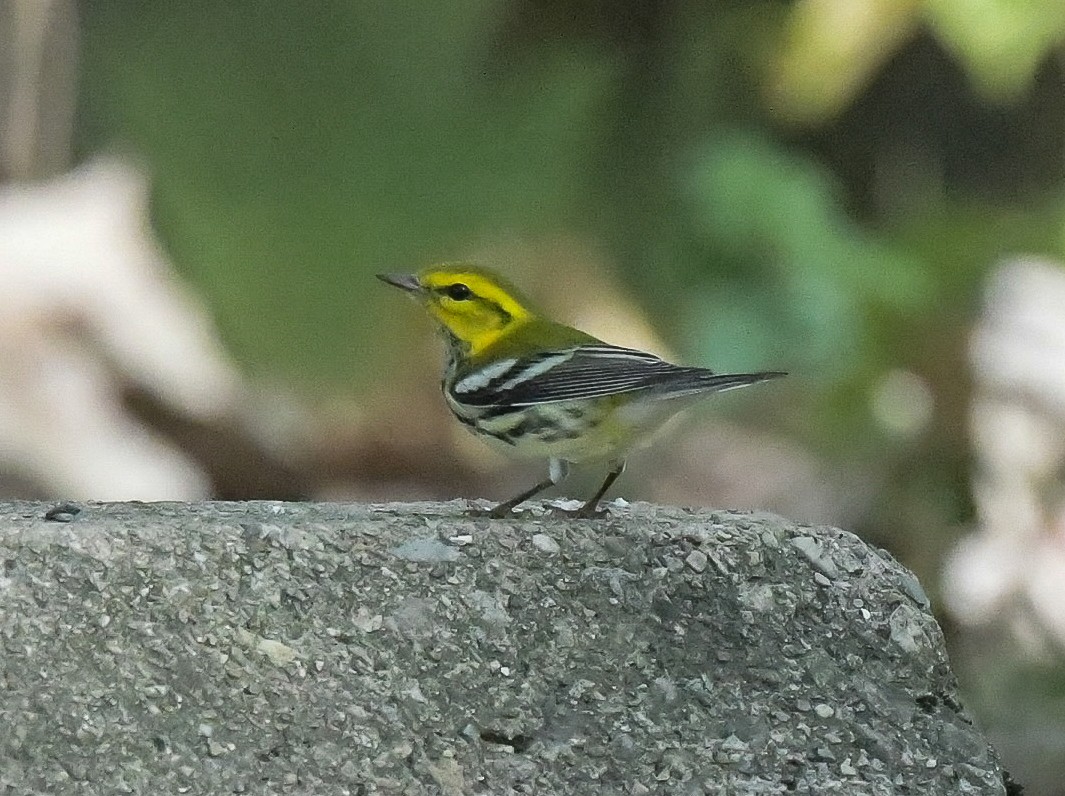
x,y
869,194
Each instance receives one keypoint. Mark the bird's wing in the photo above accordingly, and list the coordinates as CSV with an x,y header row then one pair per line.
x,y
587,371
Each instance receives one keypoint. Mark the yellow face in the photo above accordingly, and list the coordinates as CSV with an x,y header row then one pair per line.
x,y
472,304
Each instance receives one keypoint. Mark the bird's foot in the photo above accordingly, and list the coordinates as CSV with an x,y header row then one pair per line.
x,y
585,511
500,512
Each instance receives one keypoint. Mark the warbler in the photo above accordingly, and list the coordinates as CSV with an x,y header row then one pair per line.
x,y
537,388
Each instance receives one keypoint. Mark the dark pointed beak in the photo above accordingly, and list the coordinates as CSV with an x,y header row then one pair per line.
x,y
408,282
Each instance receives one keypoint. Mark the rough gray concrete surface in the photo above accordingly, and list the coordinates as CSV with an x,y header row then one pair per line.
x,y
410,649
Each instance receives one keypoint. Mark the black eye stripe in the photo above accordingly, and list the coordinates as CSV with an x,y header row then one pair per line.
x,y
458,292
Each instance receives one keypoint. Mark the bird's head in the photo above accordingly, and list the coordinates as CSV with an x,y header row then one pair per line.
x,y
475,306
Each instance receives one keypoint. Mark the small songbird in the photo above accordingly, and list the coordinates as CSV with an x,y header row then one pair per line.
x,y
540,389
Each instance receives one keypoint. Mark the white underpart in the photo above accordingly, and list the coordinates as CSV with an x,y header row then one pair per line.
x,y
480,379
535,370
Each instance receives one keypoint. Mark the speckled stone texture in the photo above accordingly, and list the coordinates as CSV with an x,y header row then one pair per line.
x,y
411,649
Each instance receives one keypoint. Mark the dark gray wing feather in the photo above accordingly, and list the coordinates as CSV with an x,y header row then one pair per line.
x,y
595,371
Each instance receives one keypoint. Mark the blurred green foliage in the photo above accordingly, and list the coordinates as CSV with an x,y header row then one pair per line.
x,y
294,153
1002,43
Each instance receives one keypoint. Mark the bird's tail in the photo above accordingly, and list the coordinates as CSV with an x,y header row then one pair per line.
x,y
697,381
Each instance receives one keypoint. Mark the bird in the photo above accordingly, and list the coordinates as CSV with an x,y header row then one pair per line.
x,y
536,388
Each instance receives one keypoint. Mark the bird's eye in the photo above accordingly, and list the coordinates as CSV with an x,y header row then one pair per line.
x,y
458,292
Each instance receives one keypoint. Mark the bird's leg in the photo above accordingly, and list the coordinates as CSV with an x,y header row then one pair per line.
x,y
503,509
557,470
591,508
